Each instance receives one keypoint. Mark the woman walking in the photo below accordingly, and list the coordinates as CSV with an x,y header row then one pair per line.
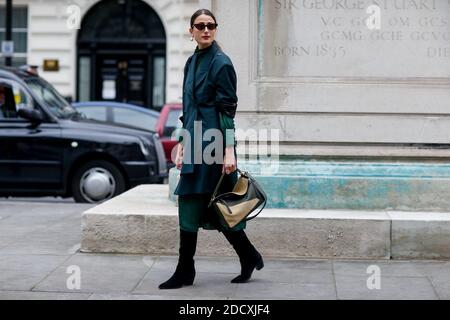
x,y
209,97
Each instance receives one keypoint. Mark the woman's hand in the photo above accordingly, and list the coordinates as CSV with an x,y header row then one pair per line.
x,y
179,156
229,160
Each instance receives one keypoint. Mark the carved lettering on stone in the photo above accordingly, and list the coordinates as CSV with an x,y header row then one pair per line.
x,y
333,38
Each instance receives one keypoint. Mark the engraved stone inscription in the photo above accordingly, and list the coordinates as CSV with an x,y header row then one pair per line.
x,y
354,38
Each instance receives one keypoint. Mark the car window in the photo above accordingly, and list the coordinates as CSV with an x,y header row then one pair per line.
x,y
135,118
12,98
51,98
172,122
94,112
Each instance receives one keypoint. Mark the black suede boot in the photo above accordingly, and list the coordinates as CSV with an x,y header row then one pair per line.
x,y
185,272
249,257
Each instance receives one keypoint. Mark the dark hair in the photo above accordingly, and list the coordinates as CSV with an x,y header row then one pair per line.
x,y
208,13
199,13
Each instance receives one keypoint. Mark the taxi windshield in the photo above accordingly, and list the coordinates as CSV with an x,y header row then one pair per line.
x,y
51,98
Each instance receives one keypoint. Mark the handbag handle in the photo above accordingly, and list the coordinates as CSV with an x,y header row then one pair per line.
x,y
218,185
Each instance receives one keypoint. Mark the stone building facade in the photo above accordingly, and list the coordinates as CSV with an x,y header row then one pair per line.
x,y
110,31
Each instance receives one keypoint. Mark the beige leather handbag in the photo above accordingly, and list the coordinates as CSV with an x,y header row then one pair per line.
x,y
236,206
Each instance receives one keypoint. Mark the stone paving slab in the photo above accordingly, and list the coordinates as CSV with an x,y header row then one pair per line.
x,y
287,264
296,276
97,296
23,272
42,242
30,295
439,275
391,288
442,289
214,285
31,228
391,268
286,291
99,273
227,265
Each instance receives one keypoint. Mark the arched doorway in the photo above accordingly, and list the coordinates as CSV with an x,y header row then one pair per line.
x,y
121,50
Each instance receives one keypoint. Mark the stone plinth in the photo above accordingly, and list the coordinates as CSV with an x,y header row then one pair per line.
x,y
144,220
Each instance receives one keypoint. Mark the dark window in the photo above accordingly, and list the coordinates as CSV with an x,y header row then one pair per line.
x,y
159,73
121,54
135,118
12,98
19,34
48,96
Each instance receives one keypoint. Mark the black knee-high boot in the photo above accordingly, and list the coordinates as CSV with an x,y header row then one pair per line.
x,y
249,257
185,272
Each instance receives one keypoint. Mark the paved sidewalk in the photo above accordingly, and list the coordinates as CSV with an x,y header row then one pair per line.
x,y
39,247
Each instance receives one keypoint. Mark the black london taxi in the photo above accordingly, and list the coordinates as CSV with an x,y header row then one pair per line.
x,y
48,148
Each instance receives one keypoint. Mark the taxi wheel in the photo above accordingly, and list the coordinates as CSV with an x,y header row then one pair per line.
x,y
97,181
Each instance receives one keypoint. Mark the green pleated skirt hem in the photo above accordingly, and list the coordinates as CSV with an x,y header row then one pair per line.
x,y
193,213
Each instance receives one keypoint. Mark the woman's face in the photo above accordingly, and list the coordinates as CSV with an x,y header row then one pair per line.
x,y
206,36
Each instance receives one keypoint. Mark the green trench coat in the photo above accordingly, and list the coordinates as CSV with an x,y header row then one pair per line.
x,y
209,78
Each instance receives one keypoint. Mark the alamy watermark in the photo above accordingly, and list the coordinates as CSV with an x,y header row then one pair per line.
x,y
207,146
374,280
71,11
73,282
373,22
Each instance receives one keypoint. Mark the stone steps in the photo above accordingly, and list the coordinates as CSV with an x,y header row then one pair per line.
x,y
145,220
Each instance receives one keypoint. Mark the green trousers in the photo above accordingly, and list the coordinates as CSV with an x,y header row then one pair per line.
x,y
193,213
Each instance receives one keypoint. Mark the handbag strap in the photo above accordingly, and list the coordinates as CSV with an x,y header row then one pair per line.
x,y
252,217
218,186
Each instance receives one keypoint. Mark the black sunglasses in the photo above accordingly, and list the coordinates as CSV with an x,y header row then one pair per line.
x,y
210,26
